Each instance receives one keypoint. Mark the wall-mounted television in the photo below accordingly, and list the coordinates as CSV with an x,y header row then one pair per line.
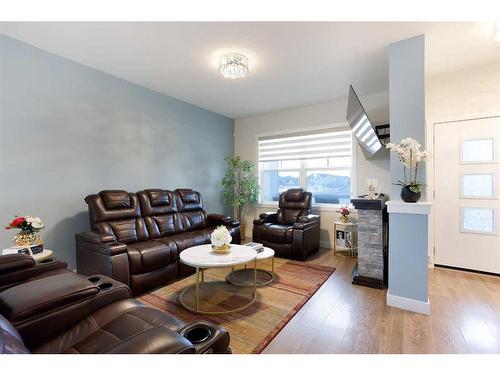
x,y
361,125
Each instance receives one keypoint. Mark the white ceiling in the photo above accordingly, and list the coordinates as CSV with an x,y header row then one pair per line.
x,y
291,64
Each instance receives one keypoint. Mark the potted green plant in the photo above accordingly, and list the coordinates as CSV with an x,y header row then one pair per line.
x,y
410,156
240,186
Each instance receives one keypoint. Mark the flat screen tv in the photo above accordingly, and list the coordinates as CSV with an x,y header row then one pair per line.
x,y
361,126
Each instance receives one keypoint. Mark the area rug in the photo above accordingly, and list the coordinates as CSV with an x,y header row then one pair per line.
x,y
252,329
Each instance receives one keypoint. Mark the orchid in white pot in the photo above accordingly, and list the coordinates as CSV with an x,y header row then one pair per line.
x,y
411,157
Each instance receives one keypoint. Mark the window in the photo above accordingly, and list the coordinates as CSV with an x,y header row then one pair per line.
x,y
479,220
477,151
319,162
478,185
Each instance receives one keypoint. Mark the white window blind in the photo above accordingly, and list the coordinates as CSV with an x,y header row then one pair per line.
x,y
330,143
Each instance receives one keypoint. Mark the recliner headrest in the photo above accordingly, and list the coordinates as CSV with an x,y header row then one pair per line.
x,y
158,197
294,195
114,199
187,195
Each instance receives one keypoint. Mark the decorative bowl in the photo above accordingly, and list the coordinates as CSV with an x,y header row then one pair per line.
x,y
225,249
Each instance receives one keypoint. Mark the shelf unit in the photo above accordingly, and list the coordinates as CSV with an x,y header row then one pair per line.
x,y
346,251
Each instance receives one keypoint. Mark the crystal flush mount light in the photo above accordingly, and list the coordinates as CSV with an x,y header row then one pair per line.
x,y
233,65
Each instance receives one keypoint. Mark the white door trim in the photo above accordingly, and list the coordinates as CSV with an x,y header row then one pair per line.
x,y
430,173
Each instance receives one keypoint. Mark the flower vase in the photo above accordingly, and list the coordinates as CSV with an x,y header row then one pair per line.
x,y
26,238
344,219
409,196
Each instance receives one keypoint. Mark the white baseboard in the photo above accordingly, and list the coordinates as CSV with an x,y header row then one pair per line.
x,y
409,304
325,244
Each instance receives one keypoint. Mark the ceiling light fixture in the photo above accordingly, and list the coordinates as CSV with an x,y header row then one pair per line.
x,y
233,65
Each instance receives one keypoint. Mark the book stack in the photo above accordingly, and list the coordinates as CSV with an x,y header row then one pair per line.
x,y
258,247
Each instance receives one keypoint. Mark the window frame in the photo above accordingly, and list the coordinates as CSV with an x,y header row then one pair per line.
x,y
303,169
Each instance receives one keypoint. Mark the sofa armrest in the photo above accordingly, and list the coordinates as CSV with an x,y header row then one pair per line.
x,y
95,256
218,219
266,217
103,243
303,225
217,341
97,237
15,262
156,340
308,218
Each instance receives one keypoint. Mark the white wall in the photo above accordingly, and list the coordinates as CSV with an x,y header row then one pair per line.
x,y
249,128
468,93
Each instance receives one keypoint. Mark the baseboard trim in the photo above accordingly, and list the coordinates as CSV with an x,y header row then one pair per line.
x,y
326,244
409,304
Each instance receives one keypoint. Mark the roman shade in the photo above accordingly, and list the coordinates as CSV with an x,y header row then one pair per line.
x,y
308,145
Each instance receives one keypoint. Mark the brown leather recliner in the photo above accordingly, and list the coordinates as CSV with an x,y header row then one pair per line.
x,y
292,232
136,238
71,313
20,268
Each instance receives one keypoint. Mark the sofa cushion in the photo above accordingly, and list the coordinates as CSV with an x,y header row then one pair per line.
x,y
109,327
115,199
294,195
278,233
188,239
188,200
125,230
148,256
158,197
194,219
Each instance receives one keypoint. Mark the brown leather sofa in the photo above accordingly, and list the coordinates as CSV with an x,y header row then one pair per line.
x,y
19,268
136,238
71,313
292,232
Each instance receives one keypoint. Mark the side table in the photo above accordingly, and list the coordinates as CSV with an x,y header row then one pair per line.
x,y
345,243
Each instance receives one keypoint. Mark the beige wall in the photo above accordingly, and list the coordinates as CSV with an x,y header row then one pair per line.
x,y
470,92
320,115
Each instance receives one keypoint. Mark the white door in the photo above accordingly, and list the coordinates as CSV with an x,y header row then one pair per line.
x,y
467,204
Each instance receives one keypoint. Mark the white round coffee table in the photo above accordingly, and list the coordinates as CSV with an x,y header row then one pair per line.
x,y
243,276
202,257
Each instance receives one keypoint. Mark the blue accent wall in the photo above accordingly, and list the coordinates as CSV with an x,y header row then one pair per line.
x,y
408,233
406,100
67,130
408,269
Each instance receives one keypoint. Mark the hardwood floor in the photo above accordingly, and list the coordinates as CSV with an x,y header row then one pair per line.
x,y
346,318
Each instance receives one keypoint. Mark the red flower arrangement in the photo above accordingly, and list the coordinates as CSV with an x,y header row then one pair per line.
x,y
344,214
30,224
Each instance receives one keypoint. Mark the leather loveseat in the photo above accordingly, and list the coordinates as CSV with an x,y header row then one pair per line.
x,y
136,238
71,313
292,232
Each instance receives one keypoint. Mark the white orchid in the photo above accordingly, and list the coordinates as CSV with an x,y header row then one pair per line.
x,y
410,157
220,236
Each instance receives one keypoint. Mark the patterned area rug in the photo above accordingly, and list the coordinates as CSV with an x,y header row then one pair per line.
x,y
251,329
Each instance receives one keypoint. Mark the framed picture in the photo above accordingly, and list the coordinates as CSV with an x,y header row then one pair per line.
x,y
340,238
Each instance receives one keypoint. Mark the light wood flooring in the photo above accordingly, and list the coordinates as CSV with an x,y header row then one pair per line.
x,y
346,318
